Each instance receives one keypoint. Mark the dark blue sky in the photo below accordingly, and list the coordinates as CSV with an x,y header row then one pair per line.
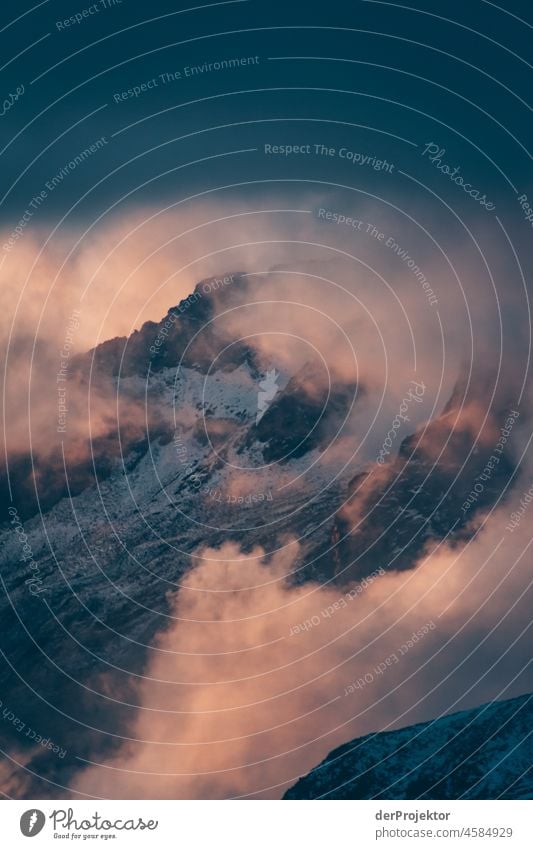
x,y
383,80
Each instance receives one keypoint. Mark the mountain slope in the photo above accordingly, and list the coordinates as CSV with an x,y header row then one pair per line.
x,y
184,461
484,753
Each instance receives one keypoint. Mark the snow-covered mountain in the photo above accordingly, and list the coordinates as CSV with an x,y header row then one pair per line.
x,y
484,753
116,523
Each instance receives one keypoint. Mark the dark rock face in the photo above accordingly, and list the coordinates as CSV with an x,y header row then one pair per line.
x,y
391,511
140,499
37,482
484,753
306,414
424,495
184,336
